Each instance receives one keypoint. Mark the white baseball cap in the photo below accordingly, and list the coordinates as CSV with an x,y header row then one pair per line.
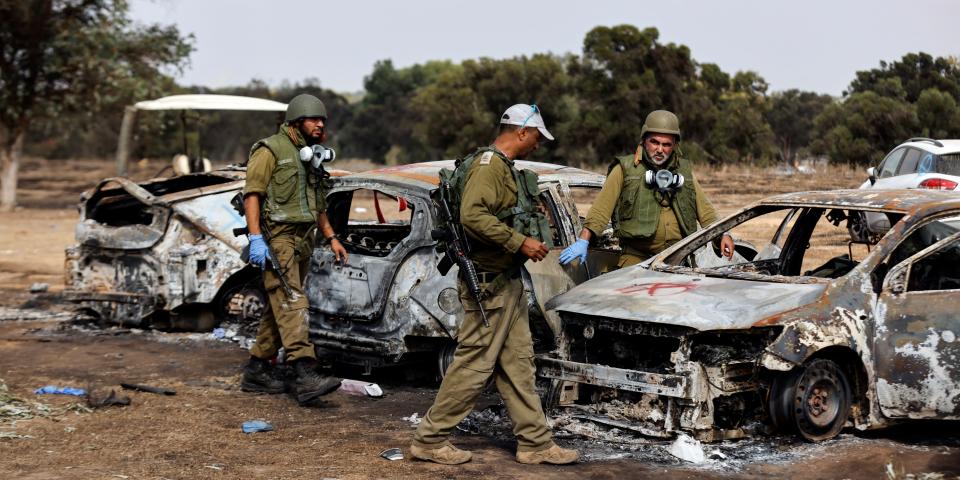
x,y
526,116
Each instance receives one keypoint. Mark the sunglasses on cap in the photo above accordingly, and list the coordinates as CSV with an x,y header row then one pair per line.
x,y
533,111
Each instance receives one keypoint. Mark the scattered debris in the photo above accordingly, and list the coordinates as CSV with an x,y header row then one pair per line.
x,y
392,454
148,389
215,466
359,388
688,449
414,419
55,390
12,436
105,399
7,313
254,426
39,287
716,454
14,408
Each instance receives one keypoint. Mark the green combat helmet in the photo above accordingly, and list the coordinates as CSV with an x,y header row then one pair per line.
x,y
660,121
305,106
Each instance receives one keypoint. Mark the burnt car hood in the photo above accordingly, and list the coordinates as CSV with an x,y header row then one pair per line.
x,y
695,301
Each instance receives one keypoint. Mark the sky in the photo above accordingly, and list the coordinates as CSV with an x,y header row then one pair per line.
x,y
813,45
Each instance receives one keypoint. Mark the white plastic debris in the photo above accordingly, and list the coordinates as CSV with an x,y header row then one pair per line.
x,y
688,449
356,387
414,419
717,454
39,287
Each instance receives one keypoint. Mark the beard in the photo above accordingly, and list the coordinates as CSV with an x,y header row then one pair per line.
x,y
658,159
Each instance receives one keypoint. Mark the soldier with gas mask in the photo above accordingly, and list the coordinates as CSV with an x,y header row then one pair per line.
x,y
283,200
651,196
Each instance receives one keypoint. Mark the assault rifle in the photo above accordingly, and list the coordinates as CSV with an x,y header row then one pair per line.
x,y
271,263
455,247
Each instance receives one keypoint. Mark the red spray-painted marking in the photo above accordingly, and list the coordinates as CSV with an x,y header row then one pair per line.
x,y
658,288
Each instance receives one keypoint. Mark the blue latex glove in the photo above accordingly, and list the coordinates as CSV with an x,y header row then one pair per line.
x,y
254,426
577,250
55,390
258,250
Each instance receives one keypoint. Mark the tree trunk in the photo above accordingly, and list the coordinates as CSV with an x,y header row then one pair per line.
x,y
9,166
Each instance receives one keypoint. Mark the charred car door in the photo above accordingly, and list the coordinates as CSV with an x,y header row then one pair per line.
x,y
380,228
917,352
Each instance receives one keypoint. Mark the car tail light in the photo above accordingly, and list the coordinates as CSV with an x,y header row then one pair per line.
x,y
938,184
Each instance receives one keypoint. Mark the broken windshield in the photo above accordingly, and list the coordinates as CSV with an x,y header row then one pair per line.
x,y
818,242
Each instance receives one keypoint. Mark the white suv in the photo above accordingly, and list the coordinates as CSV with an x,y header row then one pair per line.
x,y
919,163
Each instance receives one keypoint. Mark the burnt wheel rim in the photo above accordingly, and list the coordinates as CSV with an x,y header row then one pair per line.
x,y
821,401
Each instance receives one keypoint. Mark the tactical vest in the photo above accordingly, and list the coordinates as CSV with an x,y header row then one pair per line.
x,y
293,190
637,212
525,217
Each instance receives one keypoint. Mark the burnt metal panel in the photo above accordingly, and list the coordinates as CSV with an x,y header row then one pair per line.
x,y
620,378
700,302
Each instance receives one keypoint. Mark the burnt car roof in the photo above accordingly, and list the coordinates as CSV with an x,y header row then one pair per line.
x,y
426,175
889,200
190,185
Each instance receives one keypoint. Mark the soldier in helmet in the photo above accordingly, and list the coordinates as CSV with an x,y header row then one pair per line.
x,y
291,198
651,196
498,211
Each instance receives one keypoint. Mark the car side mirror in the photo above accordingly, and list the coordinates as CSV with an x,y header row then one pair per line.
x,y
872,175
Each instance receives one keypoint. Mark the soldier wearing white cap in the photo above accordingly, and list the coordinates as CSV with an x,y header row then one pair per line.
x,y
499,213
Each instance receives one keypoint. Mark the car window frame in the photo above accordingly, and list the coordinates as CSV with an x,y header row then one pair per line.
x,y
903,161
898,279
883,163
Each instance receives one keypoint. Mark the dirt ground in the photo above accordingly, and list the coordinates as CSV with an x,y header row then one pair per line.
x,y
196,433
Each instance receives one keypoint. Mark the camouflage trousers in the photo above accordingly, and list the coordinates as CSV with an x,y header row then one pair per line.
x,y
503,350
286,322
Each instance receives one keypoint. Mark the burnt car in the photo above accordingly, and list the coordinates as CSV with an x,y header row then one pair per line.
x,y
829,322
161,253
389,304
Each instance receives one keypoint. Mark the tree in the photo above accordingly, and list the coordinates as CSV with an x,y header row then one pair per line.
x,y
790,115
623,75
461,109
863,128
61,56
938,113
383,120
915,73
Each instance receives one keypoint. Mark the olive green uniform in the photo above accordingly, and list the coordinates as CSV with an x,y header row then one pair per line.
x,y
668,228
291,200
505,348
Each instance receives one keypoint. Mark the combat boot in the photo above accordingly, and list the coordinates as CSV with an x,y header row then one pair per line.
x,y
447,454
308,383
554,455
260,377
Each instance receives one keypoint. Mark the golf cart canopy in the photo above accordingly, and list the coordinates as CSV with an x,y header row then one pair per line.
x,y
211,102
184,103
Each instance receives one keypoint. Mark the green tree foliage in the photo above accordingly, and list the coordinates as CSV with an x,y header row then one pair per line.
x,y
938,114
864,127
382,120
63,56
914,96
595,102
460,111
910,76
791,114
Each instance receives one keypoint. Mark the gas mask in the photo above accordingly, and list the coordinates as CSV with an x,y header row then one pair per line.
x,y
664,181
317,155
